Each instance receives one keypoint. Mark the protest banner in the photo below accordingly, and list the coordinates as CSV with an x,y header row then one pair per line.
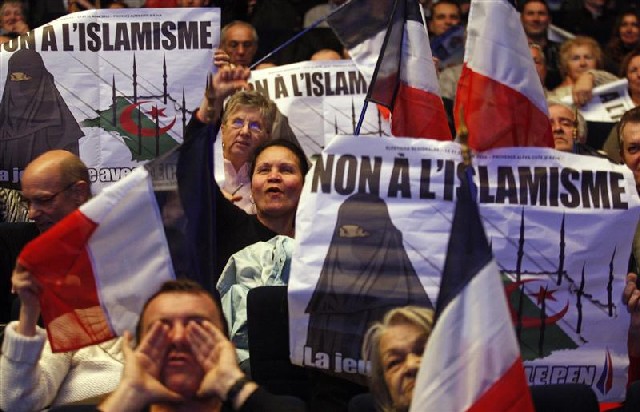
x,y
372,230
608,102
116,87
321,99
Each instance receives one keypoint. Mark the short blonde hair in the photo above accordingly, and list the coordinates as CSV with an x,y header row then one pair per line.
x,y
254,100
405,315
578,41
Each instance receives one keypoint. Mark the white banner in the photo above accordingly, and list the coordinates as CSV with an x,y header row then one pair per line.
x,y
321,98
372,231
116,87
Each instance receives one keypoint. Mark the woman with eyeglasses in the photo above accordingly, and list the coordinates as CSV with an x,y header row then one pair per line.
x,y
275,169
246,123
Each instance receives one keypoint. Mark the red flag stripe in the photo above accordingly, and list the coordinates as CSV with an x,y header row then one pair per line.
x,y
506,394
419,113
69,298
498,116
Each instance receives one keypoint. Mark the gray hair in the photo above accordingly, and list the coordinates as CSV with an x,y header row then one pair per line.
x,y
411,315
581,123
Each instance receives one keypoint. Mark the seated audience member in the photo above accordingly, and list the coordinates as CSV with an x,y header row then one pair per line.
x,y
581,64
629,135
593,18
183,361
535,20
239,40
624,39
31,376
12,20
395,347
569,129
444,15
631,69
276,174
261,264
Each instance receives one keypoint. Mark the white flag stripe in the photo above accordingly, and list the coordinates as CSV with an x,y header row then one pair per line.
x,y
471,347
128,251
496,44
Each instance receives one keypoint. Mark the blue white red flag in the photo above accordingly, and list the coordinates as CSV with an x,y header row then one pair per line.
x,y
472,360
389,43
499,93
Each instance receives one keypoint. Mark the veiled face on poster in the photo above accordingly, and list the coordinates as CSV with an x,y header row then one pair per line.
x,y
116,87
545,213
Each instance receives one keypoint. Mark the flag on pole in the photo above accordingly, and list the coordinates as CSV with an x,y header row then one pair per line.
x,y
100,263
499,93
388,42
472,360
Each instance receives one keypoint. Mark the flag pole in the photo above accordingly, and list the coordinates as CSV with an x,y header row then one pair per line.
x,y
298,35
463,139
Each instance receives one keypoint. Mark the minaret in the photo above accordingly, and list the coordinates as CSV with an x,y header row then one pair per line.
x,y
561,255
164,79
610,284
135,80
579,294
114,104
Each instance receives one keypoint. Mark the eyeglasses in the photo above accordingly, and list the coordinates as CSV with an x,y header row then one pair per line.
x,y
254,126
46,200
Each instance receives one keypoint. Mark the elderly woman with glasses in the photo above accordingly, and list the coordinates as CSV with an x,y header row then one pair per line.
x,y
246,123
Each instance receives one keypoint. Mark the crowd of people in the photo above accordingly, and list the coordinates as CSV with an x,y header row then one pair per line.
x,y
191,347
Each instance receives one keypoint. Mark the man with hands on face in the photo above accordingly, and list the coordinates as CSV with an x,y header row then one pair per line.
x,y
184,362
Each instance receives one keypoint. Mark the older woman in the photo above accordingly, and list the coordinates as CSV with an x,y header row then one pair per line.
x,y
581,65
395,347
246,123
276,170
12,21
624,38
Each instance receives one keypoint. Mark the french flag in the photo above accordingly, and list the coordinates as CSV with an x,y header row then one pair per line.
x,y
499,95
472,359
388,42
100,263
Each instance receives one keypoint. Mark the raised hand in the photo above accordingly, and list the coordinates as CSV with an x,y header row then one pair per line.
x,y
221,85
28,289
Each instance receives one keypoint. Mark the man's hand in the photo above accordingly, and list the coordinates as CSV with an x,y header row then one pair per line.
x,y
217,356
221,85
221,59
28,289
140,385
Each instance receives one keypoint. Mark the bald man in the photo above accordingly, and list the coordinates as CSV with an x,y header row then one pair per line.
x,y
53,185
